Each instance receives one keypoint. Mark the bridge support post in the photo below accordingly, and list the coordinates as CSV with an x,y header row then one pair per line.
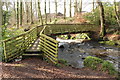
x,y
38,34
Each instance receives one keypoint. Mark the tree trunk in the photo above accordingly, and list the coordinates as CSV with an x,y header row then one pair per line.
x,y
116,13
21,17
102,19
75,7
56,8
64,9
119,7
1,33
36,9
27,12
49,11
39,13
80,9
31,13
45,13
17,13
0,14
70,9
6,3
93,5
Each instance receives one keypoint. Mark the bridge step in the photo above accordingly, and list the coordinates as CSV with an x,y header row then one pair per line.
x,y
24,56
32,54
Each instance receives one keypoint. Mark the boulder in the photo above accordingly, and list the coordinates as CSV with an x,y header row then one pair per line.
x,y
102,54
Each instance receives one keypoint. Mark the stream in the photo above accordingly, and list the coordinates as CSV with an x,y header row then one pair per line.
x,y
74,53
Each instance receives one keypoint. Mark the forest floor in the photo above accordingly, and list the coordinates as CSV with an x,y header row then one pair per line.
x,y
37,68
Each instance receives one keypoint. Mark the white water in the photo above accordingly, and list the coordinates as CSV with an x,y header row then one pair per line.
x,y
70,40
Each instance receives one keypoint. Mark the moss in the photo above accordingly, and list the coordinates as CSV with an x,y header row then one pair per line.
x,y
95,63
107,66
92,62
62,61
64,36
111,43
58,65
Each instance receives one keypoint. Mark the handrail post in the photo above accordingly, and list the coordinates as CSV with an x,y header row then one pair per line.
x,y
57,51
4,52
38,32
44,46
24,42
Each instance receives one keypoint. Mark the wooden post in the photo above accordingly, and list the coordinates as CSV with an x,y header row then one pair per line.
x,y
57,52
37,32
5,55
24,42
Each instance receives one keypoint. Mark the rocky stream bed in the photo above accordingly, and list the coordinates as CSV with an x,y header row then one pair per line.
x,y
75,52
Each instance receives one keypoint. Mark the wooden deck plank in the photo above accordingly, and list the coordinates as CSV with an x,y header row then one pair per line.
x,y
35,47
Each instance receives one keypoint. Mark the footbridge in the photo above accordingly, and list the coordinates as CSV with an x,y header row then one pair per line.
x,y
37,41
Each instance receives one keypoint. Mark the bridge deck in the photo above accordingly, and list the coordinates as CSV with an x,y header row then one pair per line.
x,y
35,47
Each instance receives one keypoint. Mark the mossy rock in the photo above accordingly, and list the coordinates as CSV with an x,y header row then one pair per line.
x,y
99,64
92,62
102,54
111,43
107,66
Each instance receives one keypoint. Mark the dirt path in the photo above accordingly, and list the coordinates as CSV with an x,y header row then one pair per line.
x,y
36,68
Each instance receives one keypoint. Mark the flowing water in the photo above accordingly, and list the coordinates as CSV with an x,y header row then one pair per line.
x,y
75,53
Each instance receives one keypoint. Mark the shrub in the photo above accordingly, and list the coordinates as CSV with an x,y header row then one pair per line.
x,y
58,65
83,36
62,61
111,43
92,62
94,17
97,63
107,66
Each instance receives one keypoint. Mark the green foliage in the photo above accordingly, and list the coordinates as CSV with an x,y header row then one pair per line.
x,y
107,66
63,61
92,62
46,59
12,33
64,36
58,65
93,17
111,43
54,21
6,15
97,63
109,13
83,36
